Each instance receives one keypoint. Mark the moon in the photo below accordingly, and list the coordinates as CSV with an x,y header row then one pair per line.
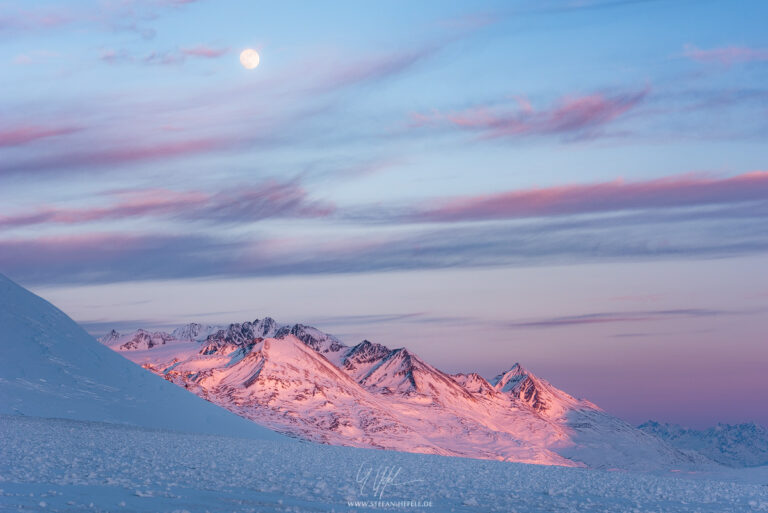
x,y
249,58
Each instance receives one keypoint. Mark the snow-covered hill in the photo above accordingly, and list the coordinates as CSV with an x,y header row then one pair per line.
x,y
303,382
740,445
50,367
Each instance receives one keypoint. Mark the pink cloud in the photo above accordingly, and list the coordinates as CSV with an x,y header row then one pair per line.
x,y
114,14
19,135
685,190
246,204
569,115
33,19
204,51
120,155
726,56
163,58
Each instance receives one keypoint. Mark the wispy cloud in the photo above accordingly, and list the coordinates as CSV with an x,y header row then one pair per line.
x,y
374,68
95,258
726,56
359,320
570,116
24,134
676,191
120,257
33,19
162,58
120,15
119,155
619,317
242,205
204,51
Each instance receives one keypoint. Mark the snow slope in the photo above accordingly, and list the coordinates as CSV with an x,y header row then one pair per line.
x,y
70,466
740,445
306,383
50,367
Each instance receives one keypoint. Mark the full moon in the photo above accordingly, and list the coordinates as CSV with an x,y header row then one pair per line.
x,y
249,58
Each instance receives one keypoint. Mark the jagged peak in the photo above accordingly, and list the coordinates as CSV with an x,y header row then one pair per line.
x,y
368,347
110,337
401,351
314,338
517,368
193,331
265,325
469,375
511,377
473,383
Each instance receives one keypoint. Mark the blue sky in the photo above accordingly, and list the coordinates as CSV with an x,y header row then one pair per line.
x,y
578,185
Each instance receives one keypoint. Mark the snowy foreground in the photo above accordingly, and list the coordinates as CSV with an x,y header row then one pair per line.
x,y
67,465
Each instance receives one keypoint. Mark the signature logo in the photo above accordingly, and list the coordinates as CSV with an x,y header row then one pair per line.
x,y
376,480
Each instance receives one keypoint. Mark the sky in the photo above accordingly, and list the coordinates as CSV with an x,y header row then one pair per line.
x,y
577,185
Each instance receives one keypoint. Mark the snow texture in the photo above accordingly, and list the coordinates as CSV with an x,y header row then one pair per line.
x,y
71,466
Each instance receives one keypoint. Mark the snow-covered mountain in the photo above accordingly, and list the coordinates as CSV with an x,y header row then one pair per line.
x,y
300,381
740,445
50,367
83,429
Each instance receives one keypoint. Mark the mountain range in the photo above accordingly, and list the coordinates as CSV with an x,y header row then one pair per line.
x,y
733,445
308,384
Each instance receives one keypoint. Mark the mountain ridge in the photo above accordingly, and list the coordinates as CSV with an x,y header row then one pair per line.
x,y
734,445
301,381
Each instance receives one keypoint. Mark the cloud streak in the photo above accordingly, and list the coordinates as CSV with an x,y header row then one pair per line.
x,y
570,321
116,15
242,205
571,116
726,56
375,68
25,134
618,195
163,58
100,258
204,51
618,317
119,155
